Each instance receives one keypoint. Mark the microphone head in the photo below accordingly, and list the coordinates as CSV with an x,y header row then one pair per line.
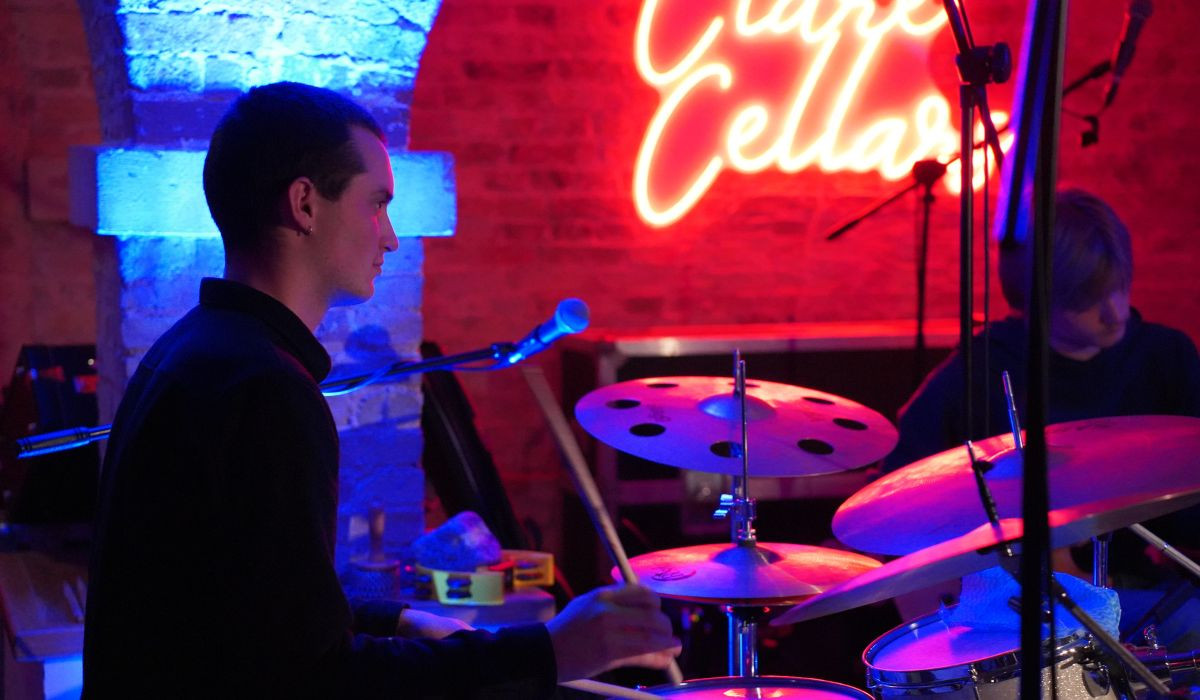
x,y
571,316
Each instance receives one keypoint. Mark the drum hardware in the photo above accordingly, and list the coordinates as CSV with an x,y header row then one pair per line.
x,y
1161,545
1167,667
706,423
1057,593
739,509
743,639
1094,676
931,657
978,550
1100,547
1153,677
746,577
1144,632
760,687
1100,543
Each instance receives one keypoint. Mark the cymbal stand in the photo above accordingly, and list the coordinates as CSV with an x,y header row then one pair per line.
x,y
1100,543
1057,592
1100,552
740,509
743,639
1161,545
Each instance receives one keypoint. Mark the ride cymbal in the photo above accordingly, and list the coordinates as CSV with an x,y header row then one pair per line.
x,y
980,549
936,499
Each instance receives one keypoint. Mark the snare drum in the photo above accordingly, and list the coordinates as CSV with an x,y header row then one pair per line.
x,y
759,687
930,656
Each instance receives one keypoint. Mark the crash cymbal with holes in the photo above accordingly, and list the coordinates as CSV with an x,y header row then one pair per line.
x,y
695,423
763,573
1090,461
980,549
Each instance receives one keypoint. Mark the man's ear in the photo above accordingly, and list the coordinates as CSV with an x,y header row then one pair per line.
x,y
300,207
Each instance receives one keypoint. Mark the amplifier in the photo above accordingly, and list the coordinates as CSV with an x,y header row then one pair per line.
x,y
53,387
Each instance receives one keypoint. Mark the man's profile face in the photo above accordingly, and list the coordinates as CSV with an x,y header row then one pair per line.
x,y
1086,332
352,234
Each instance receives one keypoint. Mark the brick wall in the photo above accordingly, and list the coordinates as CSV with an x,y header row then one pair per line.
x,y
161,72
46,104
540,103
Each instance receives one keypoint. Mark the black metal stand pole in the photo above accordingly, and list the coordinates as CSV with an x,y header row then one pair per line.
x,y
1032,168
496,351
1044,88
841,229
977,66
966,257
926,173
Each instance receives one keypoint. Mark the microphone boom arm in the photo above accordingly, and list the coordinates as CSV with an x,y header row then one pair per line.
x,y
574,312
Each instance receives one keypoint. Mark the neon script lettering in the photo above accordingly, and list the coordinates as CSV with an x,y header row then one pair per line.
x,y
839,84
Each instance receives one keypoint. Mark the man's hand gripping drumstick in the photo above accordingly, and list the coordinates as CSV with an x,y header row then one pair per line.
x,y
612,626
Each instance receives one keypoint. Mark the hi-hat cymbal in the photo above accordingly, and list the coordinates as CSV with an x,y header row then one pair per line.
x,y
936,499
980,549
695,423
742,574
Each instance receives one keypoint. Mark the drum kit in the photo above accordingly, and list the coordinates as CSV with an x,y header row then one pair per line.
x,y
1105,474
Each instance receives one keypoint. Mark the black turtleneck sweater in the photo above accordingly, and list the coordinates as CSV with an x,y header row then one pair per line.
x,y
213,565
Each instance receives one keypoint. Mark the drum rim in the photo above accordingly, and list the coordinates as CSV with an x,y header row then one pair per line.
x,y
993,668
783,681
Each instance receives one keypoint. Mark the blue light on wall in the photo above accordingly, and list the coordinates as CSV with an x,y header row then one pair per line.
x,y
159,192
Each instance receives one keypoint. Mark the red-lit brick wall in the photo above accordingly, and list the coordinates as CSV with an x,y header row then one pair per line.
x,y
47,103
541,105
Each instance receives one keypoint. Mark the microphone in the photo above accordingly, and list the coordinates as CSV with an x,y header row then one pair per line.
x,y
570,316
1139,11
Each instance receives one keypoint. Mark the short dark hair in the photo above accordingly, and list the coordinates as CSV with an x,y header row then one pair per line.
x,y
1092,255
270,136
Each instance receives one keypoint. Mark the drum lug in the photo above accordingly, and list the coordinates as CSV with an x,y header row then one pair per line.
x,y
1096,680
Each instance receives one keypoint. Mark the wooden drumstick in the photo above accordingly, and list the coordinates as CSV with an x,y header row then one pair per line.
x,y
613,691
582,476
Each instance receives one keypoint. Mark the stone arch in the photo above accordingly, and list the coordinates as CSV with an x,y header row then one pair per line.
x,y
165,69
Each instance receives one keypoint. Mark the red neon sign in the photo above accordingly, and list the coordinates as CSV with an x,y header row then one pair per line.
x,y
753,84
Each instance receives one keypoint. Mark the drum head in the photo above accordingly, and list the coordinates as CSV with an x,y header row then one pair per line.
x,y
931,643
760,687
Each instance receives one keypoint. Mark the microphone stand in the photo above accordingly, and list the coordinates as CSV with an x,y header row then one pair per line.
x,y
400,368
977,66
925,174
1097,71
70,438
